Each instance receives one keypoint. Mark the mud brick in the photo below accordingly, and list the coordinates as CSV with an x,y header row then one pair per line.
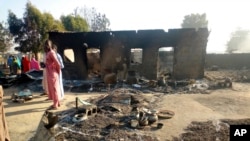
x,y
87,109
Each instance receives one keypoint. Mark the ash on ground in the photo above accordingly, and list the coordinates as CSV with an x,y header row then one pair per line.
x,y
123,114
210,130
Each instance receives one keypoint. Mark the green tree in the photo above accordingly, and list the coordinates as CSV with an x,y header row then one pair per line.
x,y
57,26
95,20
236,40
74,23
49,24
32,30
27,30
195,21
5,38
15,25
33,20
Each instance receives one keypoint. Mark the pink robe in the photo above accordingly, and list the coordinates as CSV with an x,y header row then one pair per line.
x,y
34,65
52,73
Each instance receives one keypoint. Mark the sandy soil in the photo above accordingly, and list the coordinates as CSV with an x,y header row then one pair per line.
x,y
23,119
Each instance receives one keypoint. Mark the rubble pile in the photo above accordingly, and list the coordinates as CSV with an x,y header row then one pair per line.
x,y
213,80
123,114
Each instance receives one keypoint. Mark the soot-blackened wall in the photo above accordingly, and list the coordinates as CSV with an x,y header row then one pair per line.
x,y
115,51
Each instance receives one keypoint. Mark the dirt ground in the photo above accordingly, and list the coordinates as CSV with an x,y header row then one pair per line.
x,y
190,110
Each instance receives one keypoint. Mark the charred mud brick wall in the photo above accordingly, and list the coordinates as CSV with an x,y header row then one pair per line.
x,y
78,68
115,51
189,53
228,61
150,41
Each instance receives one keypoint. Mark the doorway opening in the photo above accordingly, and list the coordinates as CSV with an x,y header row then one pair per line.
x,y
136,56
165,62
94,62
69,56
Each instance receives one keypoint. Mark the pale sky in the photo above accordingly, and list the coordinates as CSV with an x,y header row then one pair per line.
x,y
224,16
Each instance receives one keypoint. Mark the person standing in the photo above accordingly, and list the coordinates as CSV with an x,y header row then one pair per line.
x,y
15,66
53,70
62,66
4,132
26,64
9,63
22,59
34,65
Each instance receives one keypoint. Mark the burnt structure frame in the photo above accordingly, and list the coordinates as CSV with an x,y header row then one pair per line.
x,y
189,50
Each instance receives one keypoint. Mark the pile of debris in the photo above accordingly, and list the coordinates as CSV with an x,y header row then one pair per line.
x,y
8,80
22,96
33,81
124,114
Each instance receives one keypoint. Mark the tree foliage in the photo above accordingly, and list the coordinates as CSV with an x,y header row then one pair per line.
x,y
195,21
5,38
15,24
33,21
237,38
32,30
74,23
50,24
96,21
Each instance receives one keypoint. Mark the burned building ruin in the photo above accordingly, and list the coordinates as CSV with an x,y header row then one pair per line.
x,y
116,51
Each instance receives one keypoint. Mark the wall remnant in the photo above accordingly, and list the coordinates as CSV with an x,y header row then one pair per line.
x,y
115,51
228,61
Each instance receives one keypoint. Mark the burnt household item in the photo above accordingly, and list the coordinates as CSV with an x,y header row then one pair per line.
x,y
159,125
152,118
22,96
143,121
134,123
165,114
141,114
135,113
79,117
227,82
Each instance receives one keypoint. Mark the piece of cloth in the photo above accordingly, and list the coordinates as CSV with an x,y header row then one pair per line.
x,y
9,63
44,81
4,132
25,64
60,60
34,64
53,71
18,62
60,75
15,66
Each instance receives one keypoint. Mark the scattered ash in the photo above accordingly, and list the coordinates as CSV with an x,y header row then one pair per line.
x,y
210,130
